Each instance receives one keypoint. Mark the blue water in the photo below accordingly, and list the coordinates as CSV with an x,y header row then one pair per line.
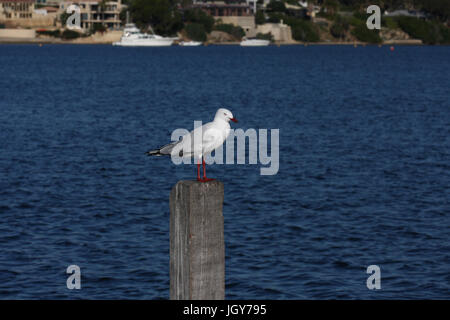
x,y
364,174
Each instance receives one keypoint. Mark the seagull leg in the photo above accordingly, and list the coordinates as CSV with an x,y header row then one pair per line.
x,y
204,173
198,171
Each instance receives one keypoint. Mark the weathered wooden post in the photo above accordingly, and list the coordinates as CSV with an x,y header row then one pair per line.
x,y
197,248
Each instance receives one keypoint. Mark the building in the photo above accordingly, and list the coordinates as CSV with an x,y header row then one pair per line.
x,y
53,3
296,11
11,10
406,13
225,8
23,14
236,12
106,13
280,31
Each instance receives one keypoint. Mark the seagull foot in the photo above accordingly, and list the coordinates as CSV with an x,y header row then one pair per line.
x,y
205,179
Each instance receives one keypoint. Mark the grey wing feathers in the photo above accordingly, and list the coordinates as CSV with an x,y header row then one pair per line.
x,y
185,146
165,150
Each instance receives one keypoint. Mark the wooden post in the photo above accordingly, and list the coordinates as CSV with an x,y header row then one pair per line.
x,y
197,248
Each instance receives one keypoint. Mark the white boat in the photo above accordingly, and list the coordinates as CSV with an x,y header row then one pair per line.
x,y
133,37
190,43
254,42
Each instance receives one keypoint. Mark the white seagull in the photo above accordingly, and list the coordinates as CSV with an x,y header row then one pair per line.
x,y
200,141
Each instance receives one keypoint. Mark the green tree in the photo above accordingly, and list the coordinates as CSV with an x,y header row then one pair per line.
x,y
389,22
98,27
362,33
303,30
264,36
63,18
161,15
331,6
439,8
339,27
276,6
51,33
102,9
428,31
260,17
195,31
123,15
275,17
200,17
70,34
236,31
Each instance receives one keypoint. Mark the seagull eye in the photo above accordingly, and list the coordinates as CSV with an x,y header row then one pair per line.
x,y
225,114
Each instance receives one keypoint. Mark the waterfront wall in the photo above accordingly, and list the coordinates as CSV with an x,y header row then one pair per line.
x,y
37,21
280,32
245,22
101,38
17,33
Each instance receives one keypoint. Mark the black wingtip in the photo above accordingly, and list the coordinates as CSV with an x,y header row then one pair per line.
x,y
153,153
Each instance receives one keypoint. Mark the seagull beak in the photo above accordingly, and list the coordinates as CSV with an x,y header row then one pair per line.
x,y
233,119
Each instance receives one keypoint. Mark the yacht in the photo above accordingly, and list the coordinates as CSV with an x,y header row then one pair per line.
x,y
133,37
254,42
190,43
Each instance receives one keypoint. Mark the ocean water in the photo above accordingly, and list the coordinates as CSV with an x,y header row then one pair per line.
x,y
364,169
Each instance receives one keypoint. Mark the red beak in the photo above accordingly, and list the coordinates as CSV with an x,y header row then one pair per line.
x,y
233,119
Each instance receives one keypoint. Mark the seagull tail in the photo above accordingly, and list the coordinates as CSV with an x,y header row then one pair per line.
x,y
156,152
163,151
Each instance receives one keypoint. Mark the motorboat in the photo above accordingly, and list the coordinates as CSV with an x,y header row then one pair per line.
x,y
133,37
254,42
190,43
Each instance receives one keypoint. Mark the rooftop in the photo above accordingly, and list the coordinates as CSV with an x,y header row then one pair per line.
x,y
20,1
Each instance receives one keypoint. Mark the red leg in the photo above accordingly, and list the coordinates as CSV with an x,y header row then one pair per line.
x,y
204,173
198,171
204,169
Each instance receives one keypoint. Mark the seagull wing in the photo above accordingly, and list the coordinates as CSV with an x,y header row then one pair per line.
x,y
211,139
198,141
167,149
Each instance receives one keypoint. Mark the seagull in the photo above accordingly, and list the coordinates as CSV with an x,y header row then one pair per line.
x,y
200,141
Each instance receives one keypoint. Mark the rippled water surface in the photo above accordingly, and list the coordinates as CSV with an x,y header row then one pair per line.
x,y
364,172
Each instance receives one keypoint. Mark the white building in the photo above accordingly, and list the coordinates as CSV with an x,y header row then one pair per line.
x,y
106,13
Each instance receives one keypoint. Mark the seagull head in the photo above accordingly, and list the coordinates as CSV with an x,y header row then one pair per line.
x,y
224,114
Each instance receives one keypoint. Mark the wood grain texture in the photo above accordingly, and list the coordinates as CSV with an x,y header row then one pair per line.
x,y
197,248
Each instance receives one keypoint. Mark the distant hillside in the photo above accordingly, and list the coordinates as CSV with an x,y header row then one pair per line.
x,y
337,20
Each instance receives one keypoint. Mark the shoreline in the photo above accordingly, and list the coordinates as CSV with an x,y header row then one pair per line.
x,y
42,41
